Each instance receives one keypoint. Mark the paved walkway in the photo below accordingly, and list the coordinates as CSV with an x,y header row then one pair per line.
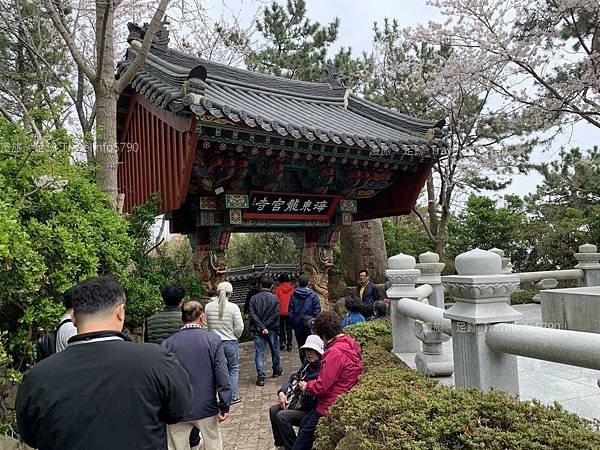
x,y
248,426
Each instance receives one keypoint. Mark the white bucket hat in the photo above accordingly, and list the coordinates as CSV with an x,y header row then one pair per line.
x,y
314,343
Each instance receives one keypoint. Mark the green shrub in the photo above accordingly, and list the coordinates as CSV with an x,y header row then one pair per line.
x,y
523,296
56,229
394,407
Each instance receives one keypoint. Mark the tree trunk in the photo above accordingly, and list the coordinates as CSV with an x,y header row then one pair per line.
x,y
363,247
107,156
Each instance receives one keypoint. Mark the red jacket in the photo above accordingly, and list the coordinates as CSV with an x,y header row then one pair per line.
x,y
340,368
283,292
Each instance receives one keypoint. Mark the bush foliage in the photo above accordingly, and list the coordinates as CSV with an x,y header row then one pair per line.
x,y
56,229
394,407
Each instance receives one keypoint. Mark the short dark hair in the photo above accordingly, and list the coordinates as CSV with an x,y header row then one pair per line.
x,y
365,271
327,325
284,278
379,308
172,294
353,304
303,280
266,282
213,293
191,310
68,298
98,294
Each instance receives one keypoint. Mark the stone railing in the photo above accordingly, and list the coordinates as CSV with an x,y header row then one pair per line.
x,y
485,339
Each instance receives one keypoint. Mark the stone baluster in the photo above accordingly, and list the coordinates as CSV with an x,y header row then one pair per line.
x,y
402,274
431,270
431,360
507,266
588,260
482,296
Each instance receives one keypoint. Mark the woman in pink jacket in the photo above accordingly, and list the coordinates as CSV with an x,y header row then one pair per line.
x,y
340,368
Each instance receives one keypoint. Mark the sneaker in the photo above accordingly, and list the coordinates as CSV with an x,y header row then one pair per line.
x,y
260,382
277,373
289,349
235,400
281,347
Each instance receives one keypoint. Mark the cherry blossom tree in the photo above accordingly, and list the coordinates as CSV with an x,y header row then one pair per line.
x,y
548,52
487,139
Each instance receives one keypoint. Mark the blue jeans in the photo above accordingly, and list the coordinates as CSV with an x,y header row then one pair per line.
x,y
231,355
259,357
306,432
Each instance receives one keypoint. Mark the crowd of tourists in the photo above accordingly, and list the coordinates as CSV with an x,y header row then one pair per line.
x,y
101,391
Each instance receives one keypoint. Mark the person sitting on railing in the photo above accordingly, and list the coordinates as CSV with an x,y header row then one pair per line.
x,y
293,403
341,366
354,316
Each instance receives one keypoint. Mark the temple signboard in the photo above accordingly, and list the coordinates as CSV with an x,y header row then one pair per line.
x,y
269,205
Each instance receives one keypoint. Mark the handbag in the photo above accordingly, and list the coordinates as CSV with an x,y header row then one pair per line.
x,y
295,398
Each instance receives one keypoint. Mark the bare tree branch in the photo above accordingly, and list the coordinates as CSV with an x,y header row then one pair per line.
x,y
427,229
6,114
137,63
69,41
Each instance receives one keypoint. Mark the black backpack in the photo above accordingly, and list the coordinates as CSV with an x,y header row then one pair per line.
x,y
46,344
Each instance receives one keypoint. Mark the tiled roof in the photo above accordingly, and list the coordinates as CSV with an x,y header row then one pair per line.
x,y
310,111
258,270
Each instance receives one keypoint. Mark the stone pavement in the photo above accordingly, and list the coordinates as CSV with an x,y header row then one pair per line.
x,y
248,426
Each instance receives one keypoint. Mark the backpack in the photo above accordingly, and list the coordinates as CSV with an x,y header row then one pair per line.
x,y
46,344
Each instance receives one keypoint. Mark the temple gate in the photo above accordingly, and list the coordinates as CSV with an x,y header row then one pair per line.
x,y
230,150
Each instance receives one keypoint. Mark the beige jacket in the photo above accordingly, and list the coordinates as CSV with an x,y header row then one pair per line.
x,y
230,327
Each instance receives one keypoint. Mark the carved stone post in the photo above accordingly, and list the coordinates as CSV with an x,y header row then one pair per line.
x,y
507,266
316,262
431,360
482,297
210,254
402,274
589,260
431,270
316,258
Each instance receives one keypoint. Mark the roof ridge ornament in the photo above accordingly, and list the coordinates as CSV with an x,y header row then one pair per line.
x,y
160,39
335,80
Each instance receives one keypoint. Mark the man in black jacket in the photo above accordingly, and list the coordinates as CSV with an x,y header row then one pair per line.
x,y
201,354
264,324
102,392
367,292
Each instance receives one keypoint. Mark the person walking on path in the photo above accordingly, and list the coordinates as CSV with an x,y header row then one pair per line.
x,y
340,368
284,291
304,306
225,319
162,325
103,391
264,324
285,416
200,352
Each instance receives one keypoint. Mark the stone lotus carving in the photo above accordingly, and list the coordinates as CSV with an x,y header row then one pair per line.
x,y
408,276
431,268
484,290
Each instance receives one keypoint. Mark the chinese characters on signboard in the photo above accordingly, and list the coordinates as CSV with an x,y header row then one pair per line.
x,y
277,205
